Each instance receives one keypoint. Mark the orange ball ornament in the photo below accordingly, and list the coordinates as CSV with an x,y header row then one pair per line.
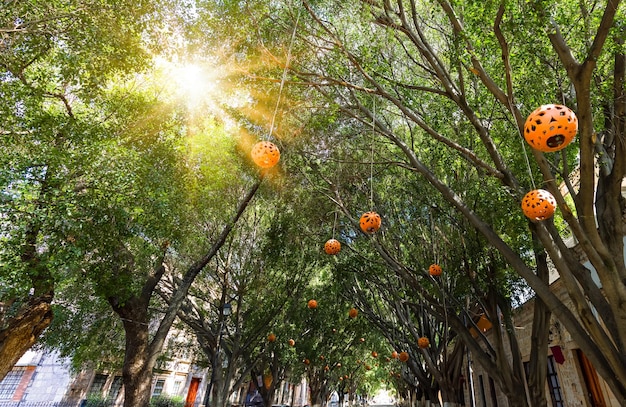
x,y
403,356
538,204
312,304
292,342
271,338
550,128
370,222
423,342
374,354
394,355
332,246
265,154
434,270
353,313
306,361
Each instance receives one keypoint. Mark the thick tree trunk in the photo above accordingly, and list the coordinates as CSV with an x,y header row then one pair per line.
x,y
138,363
21,332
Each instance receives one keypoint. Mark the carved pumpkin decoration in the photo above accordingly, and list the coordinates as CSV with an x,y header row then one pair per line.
x,y
403,356
374,354
265,154
312,304
267,380
332,246
423,342
353,313
292,342
394,355
271,337
434,270
370,222
538,204
550,128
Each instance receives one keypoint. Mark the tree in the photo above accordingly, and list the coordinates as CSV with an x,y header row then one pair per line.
x,y
422,84
56,59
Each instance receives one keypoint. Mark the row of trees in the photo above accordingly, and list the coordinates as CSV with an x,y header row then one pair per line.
x,y
119,199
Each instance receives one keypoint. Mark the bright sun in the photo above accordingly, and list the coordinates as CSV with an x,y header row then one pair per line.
x,y
193,82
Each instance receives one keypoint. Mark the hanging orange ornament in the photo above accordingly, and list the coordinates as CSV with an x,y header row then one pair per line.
x,y
353,313
403,356
292,342
434,270
306,361
538,204
332,246
423,342
265,154
312,304
550,128
271,337
374,354
370,222
267,380
394,355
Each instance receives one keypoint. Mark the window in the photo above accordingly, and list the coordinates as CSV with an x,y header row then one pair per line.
x,y
177,385
116,387
10,382
553,384
97,385
158,387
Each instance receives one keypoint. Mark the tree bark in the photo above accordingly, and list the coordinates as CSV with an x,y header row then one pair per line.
x,y
21,332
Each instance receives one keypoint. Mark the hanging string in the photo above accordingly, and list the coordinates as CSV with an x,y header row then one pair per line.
x,y
334,224
372,154
284,77
530,171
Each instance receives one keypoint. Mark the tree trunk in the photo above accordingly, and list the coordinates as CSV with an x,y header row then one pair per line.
x,y
22,331
138,363
538,366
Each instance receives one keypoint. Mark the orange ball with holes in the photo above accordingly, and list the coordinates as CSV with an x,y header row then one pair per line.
x,y
538,204
291,342
370,222
312,304
550,128
394,355
332,246
403,356
353,313
271,338
423,342
265,154
434,270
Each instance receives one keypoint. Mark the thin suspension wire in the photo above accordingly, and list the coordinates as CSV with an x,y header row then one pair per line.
x,y
372,154
334,224
530,171
282,81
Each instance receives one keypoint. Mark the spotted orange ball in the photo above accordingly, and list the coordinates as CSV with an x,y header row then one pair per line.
x,y
538,204
423,342
403,356
550,128
265,154
312,304
434,270
370,222
332,246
